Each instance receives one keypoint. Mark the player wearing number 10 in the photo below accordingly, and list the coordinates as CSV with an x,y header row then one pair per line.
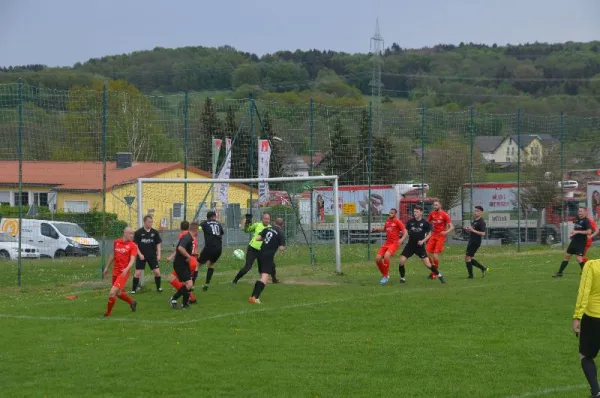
x,y
213,245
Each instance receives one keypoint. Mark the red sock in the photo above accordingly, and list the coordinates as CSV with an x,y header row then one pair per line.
x,y
436,263
381,267
123,296
111,304
192,297
386,268
176,284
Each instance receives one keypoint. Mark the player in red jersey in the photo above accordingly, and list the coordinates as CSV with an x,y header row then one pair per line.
x,y
588,244
395,232
185,226
442,226
124,253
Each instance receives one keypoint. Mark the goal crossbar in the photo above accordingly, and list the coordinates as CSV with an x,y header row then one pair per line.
x,y
334,178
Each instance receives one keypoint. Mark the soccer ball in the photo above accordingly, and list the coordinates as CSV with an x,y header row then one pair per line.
x,y
239,254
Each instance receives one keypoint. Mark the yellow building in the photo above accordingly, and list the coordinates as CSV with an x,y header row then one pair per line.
x,y
77,187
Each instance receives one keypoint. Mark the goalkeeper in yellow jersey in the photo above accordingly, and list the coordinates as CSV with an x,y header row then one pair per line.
x,y
586,322
254,246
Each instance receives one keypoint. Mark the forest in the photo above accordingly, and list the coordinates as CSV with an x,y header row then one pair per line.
x,y
539,77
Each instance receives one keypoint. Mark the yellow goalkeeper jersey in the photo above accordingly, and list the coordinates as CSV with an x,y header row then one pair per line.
x,y
588,298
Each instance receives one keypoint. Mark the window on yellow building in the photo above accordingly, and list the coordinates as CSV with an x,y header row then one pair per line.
x,y
177,210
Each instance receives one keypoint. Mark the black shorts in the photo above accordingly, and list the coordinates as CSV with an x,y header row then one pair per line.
x,y
266,263
183,272
141,264
589,336
472,248
409,250
211,254
251,255
577,248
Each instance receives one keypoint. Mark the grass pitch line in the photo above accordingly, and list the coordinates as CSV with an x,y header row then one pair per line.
x,y
253,310
549,391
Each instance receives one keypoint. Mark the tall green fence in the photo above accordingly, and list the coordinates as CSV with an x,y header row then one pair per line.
x,y
74,156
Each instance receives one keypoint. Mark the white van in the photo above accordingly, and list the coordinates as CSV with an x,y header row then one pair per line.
x,y
52,238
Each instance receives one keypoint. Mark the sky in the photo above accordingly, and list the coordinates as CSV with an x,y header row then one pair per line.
x,y
62,32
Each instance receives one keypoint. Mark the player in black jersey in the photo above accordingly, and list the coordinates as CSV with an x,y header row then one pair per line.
x,y
181,265
148,242
419,231
477,230
581,229
213,245
272,240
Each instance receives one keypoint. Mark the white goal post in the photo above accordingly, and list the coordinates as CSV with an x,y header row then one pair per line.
x,y
336,210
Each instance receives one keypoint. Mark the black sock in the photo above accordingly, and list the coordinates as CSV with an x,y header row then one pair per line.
x,y
434,270
182,290
157,281
469,267
194,277
243,271
581,264
136,282
477,264
402,270
563,265
209,274
591,374
258,288
186,297
274,273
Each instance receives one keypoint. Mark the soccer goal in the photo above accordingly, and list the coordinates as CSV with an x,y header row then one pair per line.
x,y
310,239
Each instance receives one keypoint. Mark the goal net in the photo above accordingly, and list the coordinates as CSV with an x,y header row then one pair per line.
x,y
310,240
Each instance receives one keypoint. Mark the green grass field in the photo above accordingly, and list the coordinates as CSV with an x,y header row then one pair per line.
x,y
316,335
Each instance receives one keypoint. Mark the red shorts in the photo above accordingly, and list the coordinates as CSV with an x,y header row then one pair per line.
x,y
119,281
193,266
388,247
435,244
588,244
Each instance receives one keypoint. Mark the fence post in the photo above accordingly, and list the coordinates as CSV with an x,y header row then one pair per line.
x,y
369,178
20,154
563,224
519,128
104,139
185,153
311,123
423,116
472,158
251,148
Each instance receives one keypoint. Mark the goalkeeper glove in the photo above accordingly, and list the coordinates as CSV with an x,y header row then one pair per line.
x,y
248,219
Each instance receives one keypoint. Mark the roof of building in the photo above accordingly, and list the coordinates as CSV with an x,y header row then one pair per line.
x,y
488,143
87,176
526,139
317,158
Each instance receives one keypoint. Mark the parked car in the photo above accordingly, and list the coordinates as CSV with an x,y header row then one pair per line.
x,y
52,238
9,248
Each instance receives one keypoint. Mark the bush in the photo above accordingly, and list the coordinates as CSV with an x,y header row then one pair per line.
x,y
91,222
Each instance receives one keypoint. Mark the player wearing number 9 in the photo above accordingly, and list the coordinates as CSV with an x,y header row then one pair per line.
x,y
272,239
213,245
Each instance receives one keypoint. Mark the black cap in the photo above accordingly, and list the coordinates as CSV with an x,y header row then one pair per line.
x,y
211,214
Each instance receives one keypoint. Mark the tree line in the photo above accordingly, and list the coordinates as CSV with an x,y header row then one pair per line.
x,y
449,76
